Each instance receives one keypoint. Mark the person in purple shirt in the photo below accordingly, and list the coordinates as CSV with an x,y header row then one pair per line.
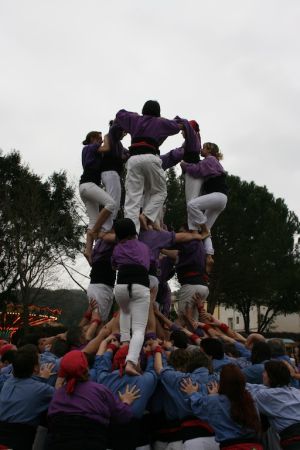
x,y
81,410
144,171
90,192
132,260
102,278
214,194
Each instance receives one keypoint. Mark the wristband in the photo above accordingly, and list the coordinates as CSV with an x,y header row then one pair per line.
x,y
87,315
157,350
148,354
224,327
98,321
194,337
112,347
206,327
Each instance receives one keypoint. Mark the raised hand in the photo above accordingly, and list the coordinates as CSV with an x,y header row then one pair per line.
x,y
46,370
213,387
188,387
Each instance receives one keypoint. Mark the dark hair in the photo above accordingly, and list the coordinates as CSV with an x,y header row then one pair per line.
x,y
231,350
198,359
151,108
242,407
278,373
213,347
31,338
125,228
277,347
260,352
59,347
74,336
8,356
179,338
90,136
24,362
179,359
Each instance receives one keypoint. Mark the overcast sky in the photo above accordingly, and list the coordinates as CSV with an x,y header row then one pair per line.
x,y
67,66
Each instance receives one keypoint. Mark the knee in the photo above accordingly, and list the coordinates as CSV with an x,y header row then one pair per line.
x,y
110,205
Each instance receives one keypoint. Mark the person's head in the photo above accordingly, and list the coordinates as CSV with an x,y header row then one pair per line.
x,y
25,362
210,149
231,350
252,338
179,359
93,137
74,368
179,339
59,347
276,374
151,108
198,359
213,348
7,357
75,337
260,352
125,229
277,348
242,409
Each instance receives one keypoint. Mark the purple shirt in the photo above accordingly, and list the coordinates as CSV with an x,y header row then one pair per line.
x,y
91,400
157,240
172,158
156,128
192,142
208,167
131,252
90,157
191,254
102,251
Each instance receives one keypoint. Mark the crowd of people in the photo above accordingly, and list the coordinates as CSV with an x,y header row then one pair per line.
x,y
129,377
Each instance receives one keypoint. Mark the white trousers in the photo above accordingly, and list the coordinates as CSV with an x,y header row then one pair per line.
x,y
192,187
112,184
134,314
185,298
201,443
104,296
93,197
213,204
159,445
144,175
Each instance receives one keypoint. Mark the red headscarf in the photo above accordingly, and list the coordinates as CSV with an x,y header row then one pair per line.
x,y
119,360
6,347
73,367
194,125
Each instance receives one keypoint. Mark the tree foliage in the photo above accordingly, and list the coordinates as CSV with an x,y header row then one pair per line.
x,y
39,227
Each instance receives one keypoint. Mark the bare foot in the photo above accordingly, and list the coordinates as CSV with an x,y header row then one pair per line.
x,y
209,263
130,369
143,221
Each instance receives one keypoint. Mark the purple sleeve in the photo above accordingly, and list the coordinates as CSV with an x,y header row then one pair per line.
x,y
208,167
192,141
126,120
120,412
167,127
172,158
167,239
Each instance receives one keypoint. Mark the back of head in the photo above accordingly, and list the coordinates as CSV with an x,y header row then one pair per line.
x,y
252,338
74,368
213,347
179,339
213,150
260,352
179,359
8,356
125,228
231,350
74,336
90,137
242,409
151,108
24,362
198,359
278,374
277,347
59,347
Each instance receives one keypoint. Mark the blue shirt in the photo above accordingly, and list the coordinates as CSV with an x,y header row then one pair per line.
x,y
146,382
254,373
49,357
22,400
281,405
215,409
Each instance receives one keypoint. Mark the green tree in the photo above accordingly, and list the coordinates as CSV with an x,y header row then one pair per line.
x,y
175,208
40,227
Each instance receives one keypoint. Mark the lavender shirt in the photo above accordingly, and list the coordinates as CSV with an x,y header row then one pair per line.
x,y
156,128
172,158
102,251
207,168
157,240
131,252
191,254
192,142
91,400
